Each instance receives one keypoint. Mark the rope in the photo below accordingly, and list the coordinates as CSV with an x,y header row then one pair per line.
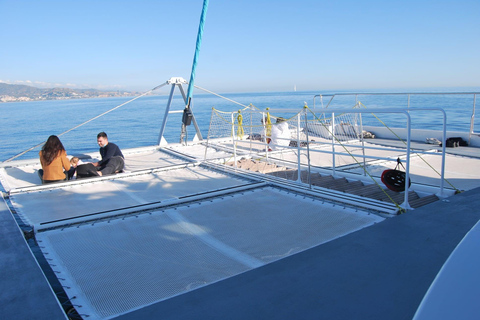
x,y
240,125
419,155
78,126
219,114
197,50
268,127
220,96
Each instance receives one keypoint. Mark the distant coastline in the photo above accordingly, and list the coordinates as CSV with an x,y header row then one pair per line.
x,y
19,93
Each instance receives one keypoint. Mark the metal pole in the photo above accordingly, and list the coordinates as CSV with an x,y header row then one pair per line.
x,y
333,143
363,145
299,167
444,139
472,120
405,203
308,149
197,128
233,140
167,110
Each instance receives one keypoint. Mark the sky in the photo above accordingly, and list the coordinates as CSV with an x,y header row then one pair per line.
x,y
247,45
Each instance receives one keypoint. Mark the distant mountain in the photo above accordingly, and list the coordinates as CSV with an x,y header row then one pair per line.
x,y
15,92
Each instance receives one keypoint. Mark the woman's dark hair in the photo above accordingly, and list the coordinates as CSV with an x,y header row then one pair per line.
x,y
51,149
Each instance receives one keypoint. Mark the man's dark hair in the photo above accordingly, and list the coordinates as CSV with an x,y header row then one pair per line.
x,y
102,134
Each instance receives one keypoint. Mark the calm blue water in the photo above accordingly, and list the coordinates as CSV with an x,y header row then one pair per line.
x,y
26,124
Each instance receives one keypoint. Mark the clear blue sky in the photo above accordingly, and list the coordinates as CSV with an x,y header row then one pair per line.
x,y
248,45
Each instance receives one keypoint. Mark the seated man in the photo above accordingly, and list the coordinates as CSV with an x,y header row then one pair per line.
x,y
112,157
112,160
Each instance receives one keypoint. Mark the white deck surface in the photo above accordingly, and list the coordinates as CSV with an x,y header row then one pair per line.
x,y
154,175
199,152
160,254
25,175
37,208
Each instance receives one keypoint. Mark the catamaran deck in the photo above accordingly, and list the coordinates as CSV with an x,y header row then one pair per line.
x,y
222,223
179,173
235,229
381,271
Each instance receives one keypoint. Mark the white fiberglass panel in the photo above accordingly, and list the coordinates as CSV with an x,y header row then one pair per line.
x,y
38,208
112,267
454,292
200,152
144,160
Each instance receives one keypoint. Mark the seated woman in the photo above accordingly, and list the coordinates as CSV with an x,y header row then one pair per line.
x,y
55,164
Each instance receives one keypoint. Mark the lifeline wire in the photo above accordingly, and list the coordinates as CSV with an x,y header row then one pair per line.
x,y
78,126
216,94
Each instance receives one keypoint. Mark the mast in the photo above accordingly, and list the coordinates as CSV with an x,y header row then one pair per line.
x,y
187,112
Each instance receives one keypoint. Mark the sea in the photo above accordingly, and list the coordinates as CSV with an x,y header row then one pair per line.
x,y
25,125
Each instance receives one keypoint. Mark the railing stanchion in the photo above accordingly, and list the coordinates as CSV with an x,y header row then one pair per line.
x,y
299,167
472,120
234,144
405,204
444,139
333,143
308,148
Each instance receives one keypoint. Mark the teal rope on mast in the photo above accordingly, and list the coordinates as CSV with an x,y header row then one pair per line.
x,y
187,113
197,51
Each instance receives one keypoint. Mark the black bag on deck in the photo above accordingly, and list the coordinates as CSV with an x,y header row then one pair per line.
x,y
86,170
455,142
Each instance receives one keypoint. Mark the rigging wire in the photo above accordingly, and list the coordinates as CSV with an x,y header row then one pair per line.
x,y
220,96
94,118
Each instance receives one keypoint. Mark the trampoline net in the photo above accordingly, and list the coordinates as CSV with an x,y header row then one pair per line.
x,y
113,267
41,208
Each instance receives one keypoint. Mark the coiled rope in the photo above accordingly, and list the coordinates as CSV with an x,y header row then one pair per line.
x,y
268,125
240,125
